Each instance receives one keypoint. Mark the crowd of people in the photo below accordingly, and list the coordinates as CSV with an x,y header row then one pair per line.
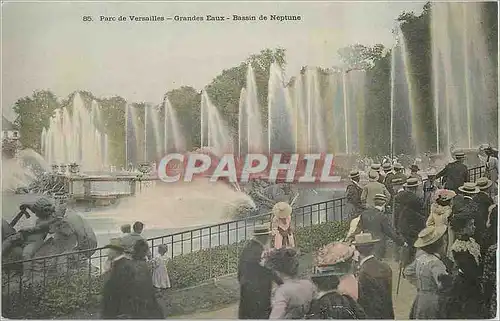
x,y
133,278
443,234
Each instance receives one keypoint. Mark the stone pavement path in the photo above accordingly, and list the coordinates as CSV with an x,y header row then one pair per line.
x,y
402,302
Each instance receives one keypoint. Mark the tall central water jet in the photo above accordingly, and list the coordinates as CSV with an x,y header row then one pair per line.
x,y
214,132
250,131
404,122
280,114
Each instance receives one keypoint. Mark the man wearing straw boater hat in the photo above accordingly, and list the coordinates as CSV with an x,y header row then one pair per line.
x,y
353,195
389,176
281,226
409,219
375,279
399,172
378,168
373,188
483,199
454,174
467,202
255,279
375,221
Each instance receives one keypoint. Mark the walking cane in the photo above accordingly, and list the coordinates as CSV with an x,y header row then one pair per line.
x,y
400,270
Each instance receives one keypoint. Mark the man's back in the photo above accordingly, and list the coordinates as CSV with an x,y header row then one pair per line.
x,y
375,284
371,189
409,219
128,240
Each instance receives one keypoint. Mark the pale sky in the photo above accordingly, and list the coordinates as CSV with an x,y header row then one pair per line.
x,y
48,46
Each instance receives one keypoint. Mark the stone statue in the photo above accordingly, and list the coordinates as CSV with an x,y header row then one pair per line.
x,y
53,233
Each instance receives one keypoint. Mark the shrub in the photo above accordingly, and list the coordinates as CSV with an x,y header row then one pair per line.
x,y
193,268
58,297
68,294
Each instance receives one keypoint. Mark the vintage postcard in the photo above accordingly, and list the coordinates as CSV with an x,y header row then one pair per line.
x,y
249,160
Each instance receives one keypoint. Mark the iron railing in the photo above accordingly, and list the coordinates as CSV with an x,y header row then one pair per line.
x,y
85,267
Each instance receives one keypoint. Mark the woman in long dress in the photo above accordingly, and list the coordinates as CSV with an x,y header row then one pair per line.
x,y
467,294
429,273
440,214
291,299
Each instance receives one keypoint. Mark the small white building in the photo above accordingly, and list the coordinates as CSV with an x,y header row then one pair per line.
x,y
8,130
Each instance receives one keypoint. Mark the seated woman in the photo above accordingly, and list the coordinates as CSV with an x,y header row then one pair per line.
x,y
337,287
466,301
293,297
430,275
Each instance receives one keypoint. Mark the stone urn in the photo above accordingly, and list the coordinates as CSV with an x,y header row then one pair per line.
x,y
74,168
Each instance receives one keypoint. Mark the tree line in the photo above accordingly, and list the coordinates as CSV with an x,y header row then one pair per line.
x,y
34,112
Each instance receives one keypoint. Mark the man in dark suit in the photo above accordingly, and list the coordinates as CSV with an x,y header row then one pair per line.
x,y
128,291
374,280
409,219
454,174
255,279
353,195
483,198
375,221
389,176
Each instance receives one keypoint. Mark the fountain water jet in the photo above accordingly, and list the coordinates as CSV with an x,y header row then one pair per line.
x,y
250,138
463,76
76,138
214,133
280,114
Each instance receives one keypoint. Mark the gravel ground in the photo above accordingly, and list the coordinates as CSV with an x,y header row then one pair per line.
x,y
402,302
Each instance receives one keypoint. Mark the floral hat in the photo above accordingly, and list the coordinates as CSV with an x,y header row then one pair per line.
x,y
445,194
334,253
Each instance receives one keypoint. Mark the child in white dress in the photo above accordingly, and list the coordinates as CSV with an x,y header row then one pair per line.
x,y
161,280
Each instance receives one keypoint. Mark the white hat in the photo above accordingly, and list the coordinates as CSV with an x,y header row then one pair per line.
x,y
282,210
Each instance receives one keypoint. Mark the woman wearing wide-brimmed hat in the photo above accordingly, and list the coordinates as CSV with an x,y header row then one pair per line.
x,y
281,225
441,213
429,273
337,286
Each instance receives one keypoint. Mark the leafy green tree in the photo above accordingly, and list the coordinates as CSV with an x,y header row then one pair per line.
x,y
33,114
224,91
186,103
359,56
113,121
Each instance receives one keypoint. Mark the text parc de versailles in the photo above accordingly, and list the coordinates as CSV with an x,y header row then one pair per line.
x,y
234,17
